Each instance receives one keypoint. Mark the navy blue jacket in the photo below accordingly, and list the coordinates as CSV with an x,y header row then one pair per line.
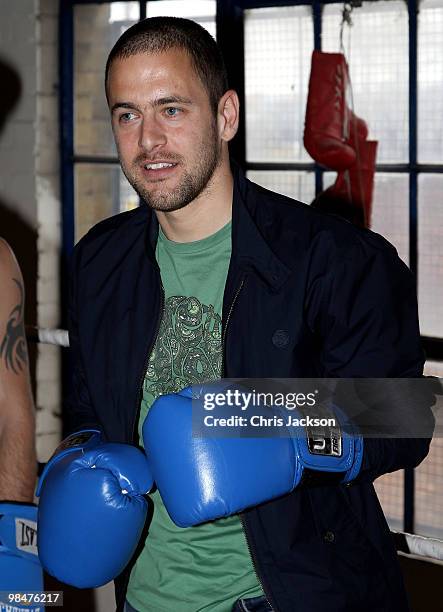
x,y
307,295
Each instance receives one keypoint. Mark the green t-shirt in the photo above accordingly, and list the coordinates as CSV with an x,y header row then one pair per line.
x,y
207,567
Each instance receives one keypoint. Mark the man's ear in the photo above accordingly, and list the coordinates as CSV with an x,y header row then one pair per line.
x,y
228,115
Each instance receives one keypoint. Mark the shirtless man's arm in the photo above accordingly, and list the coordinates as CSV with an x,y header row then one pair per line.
x,y
17,418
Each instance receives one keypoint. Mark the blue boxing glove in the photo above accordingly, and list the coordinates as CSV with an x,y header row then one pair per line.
x,y
92,510
20,569
209,477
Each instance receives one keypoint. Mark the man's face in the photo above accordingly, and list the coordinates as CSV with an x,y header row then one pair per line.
x,y
164,128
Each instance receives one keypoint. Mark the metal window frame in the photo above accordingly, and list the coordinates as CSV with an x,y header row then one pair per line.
x,y
229,23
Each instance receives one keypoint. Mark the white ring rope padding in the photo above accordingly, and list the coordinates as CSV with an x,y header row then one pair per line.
x,y
59,337
423,546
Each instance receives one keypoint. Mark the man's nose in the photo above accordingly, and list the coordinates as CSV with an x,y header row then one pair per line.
x,y
152,135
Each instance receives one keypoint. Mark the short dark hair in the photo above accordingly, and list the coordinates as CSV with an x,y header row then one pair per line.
x,y
159,34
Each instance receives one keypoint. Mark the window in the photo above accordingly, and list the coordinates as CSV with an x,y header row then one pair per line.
x,y
278,46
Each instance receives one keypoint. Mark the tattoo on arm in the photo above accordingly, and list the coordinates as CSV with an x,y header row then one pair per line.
x,y
13,347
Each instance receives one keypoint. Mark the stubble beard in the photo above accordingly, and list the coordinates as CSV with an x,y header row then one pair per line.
x,y
191,184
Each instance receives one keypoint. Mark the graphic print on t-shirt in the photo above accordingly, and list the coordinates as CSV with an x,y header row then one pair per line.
x,y
188,349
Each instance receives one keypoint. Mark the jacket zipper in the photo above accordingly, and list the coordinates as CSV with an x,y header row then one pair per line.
x,y
254,565
248,544
148,354
227,323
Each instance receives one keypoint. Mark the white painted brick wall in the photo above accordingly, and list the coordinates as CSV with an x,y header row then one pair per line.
x,y
47,173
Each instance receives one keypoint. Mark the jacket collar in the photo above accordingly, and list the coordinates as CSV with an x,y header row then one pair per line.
x,y
250,250
249,245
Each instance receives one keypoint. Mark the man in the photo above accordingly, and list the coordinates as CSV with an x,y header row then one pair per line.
x,y
17,420
216,277
19,566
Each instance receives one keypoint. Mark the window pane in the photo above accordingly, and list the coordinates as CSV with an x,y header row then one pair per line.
x,y
378,60
430,81
101,190
278,47
430,254
297,185
96,29
390,208
389,489
328,179
428,490
202,11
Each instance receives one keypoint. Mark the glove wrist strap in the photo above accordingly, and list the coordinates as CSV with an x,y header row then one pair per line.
x,y
84,440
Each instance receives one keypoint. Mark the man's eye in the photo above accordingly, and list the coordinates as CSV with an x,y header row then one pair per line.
x,y
172,111
126,117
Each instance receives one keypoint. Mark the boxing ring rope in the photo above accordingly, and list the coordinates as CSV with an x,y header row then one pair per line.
x,y
408,543
59,337
421,546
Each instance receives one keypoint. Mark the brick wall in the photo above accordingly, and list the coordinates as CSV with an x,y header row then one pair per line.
x,y
48,217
